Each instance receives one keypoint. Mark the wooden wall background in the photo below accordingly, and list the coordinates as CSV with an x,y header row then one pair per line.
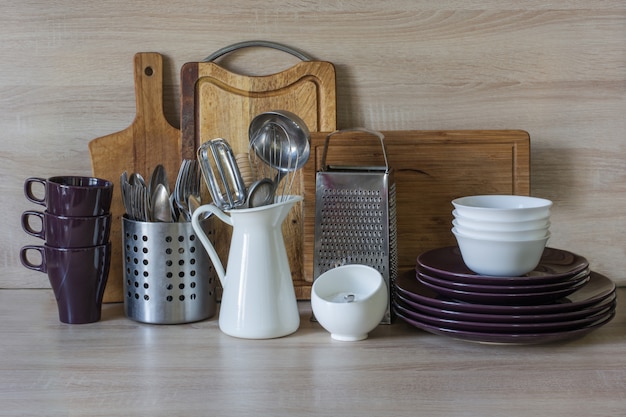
x,y
556,69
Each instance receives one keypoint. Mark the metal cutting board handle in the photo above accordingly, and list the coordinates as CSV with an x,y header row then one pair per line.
x,y
257,43
355,129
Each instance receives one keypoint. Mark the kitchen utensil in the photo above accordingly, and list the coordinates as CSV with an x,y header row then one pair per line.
x,y
216,102
149,140
245,169
261,193
187,182
68,231
506,318
474,296
355,217
588,308
160,210
159,176
508,338
221,174
479,326
139,198
281,140
599,288
503,288
71,195
431,168
555,265
487,225
168,276
193,202
77,276
500,257
258,301
349,301
503,208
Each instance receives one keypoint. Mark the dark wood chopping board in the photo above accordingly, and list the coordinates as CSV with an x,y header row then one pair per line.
x,y
150,140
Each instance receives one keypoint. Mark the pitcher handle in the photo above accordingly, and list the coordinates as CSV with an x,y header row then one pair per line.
x,y
197,227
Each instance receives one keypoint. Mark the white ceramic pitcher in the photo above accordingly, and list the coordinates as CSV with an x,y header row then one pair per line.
x,y
259,300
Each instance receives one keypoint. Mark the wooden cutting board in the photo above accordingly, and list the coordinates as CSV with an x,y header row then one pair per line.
x,y
216,102
431,168
150,140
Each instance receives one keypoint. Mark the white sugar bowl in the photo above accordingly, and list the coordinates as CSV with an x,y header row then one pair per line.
x,y
349,301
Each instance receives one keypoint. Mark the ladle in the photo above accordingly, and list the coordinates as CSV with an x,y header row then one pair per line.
x,y
281,140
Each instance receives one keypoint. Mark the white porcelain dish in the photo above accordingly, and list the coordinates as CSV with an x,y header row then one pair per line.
x,y
500,257
349,301
501,235
503,208
508,226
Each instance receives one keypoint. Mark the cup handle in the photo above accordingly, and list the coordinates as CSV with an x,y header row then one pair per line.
x,y
28,190
42,266
27,227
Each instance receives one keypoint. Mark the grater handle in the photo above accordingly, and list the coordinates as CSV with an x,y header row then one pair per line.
x,y
355,129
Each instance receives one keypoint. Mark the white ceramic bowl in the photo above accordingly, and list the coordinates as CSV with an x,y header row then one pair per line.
x,y
501,235
502,208
500,257
487,225
349,301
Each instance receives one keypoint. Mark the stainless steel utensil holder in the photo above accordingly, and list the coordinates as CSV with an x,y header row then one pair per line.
x,y
355,217
168,275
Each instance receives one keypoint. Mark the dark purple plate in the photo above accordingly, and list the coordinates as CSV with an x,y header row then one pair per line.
x,y
555,265
508,338
503,299
506,318
505,289
476,326
597,289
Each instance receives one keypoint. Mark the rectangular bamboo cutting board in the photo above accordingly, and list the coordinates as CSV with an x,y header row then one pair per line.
x,y
431,168
218,103
149,140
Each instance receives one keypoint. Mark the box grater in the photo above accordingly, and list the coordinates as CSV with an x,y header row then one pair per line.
x,y
355,217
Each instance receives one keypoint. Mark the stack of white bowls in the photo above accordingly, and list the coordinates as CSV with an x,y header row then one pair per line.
x,y
501,235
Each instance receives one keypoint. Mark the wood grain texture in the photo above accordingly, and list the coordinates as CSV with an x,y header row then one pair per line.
x,y
118,367
150,140
431,168
218,103
555,70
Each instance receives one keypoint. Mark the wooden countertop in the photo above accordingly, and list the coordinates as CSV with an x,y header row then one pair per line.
x,y
120,367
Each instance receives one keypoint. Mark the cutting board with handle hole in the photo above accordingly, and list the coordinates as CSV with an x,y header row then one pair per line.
x,y
150,140
219,103
431,168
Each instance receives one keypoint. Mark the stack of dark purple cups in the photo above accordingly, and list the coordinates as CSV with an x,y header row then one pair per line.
x,y
76,253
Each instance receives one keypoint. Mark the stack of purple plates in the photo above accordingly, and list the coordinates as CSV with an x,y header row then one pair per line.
x,y
561,299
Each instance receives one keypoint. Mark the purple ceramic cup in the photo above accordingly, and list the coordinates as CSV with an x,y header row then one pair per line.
x,y
78,277
72,196
68,232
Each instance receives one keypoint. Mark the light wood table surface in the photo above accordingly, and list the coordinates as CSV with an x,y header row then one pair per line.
x,y
118,367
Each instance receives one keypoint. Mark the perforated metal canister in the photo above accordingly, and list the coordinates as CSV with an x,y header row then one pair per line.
x,y
168,275
355,217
